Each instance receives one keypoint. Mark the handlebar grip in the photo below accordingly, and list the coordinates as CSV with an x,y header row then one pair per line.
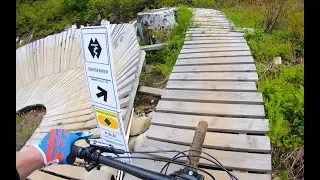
x,y
75,151
71,158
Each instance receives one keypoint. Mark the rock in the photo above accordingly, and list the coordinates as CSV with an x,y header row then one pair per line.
x,y
239,29
103,22
152,101
74,26
139,140
277,60
149,115
132,142
139,125
250,30
153,20
67,27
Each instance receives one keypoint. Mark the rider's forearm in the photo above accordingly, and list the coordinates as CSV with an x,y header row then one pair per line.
x,y
28,161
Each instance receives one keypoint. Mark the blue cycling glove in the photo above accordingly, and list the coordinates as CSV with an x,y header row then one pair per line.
x,y
55,147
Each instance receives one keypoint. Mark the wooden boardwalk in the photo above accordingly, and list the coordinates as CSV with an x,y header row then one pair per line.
x,y
213,80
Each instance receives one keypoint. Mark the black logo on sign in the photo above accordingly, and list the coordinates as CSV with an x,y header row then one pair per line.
x,y
94,48
103,93
107,121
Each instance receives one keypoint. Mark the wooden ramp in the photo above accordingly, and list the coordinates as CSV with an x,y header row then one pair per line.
x,y
50,73
213,80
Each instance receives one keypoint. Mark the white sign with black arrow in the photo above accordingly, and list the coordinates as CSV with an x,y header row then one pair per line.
x,y
98,64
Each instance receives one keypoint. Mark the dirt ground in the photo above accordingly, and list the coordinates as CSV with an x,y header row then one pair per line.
x,y
145,104
27,122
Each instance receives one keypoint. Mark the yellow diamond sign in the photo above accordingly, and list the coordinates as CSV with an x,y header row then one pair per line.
x,y
107,119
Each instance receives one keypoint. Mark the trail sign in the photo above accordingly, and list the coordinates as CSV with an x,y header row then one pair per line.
x,y
98,65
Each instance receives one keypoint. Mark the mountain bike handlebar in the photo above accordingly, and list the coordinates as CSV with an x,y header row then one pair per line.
x,y
92,156
84,153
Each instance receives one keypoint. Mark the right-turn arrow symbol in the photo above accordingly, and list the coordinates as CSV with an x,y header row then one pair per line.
x,y
103,93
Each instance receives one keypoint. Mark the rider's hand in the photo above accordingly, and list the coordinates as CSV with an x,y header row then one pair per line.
x,y
55,147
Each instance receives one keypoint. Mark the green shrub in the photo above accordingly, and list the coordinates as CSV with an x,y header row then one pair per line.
x,y
45,17
95,7
295,26
245,16
265,46
171,3
74,5
169,54
275,14
203,3
283,96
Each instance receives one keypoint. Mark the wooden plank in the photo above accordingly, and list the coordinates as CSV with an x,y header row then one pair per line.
x,y
39,175
215,124
126,82
218,174
77,119
208,37
220,141
90,124
211,28
213,85
197,46
123,112
212,96
207,20
38,136
215,41
125,91
69,115
59,111
216,49
206,34
70,127
220,31
124,102
217,76
135,85
215,61
152,47
75,172
216,68
215,109
152,91
214,54
231,160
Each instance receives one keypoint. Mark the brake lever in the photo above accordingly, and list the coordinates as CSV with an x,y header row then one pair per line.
x,y
108,148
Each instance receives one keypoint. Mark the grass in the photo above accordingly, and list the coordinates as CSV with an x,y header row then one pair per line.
x,y
245,16
283,93
266,46
282,86
26,123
